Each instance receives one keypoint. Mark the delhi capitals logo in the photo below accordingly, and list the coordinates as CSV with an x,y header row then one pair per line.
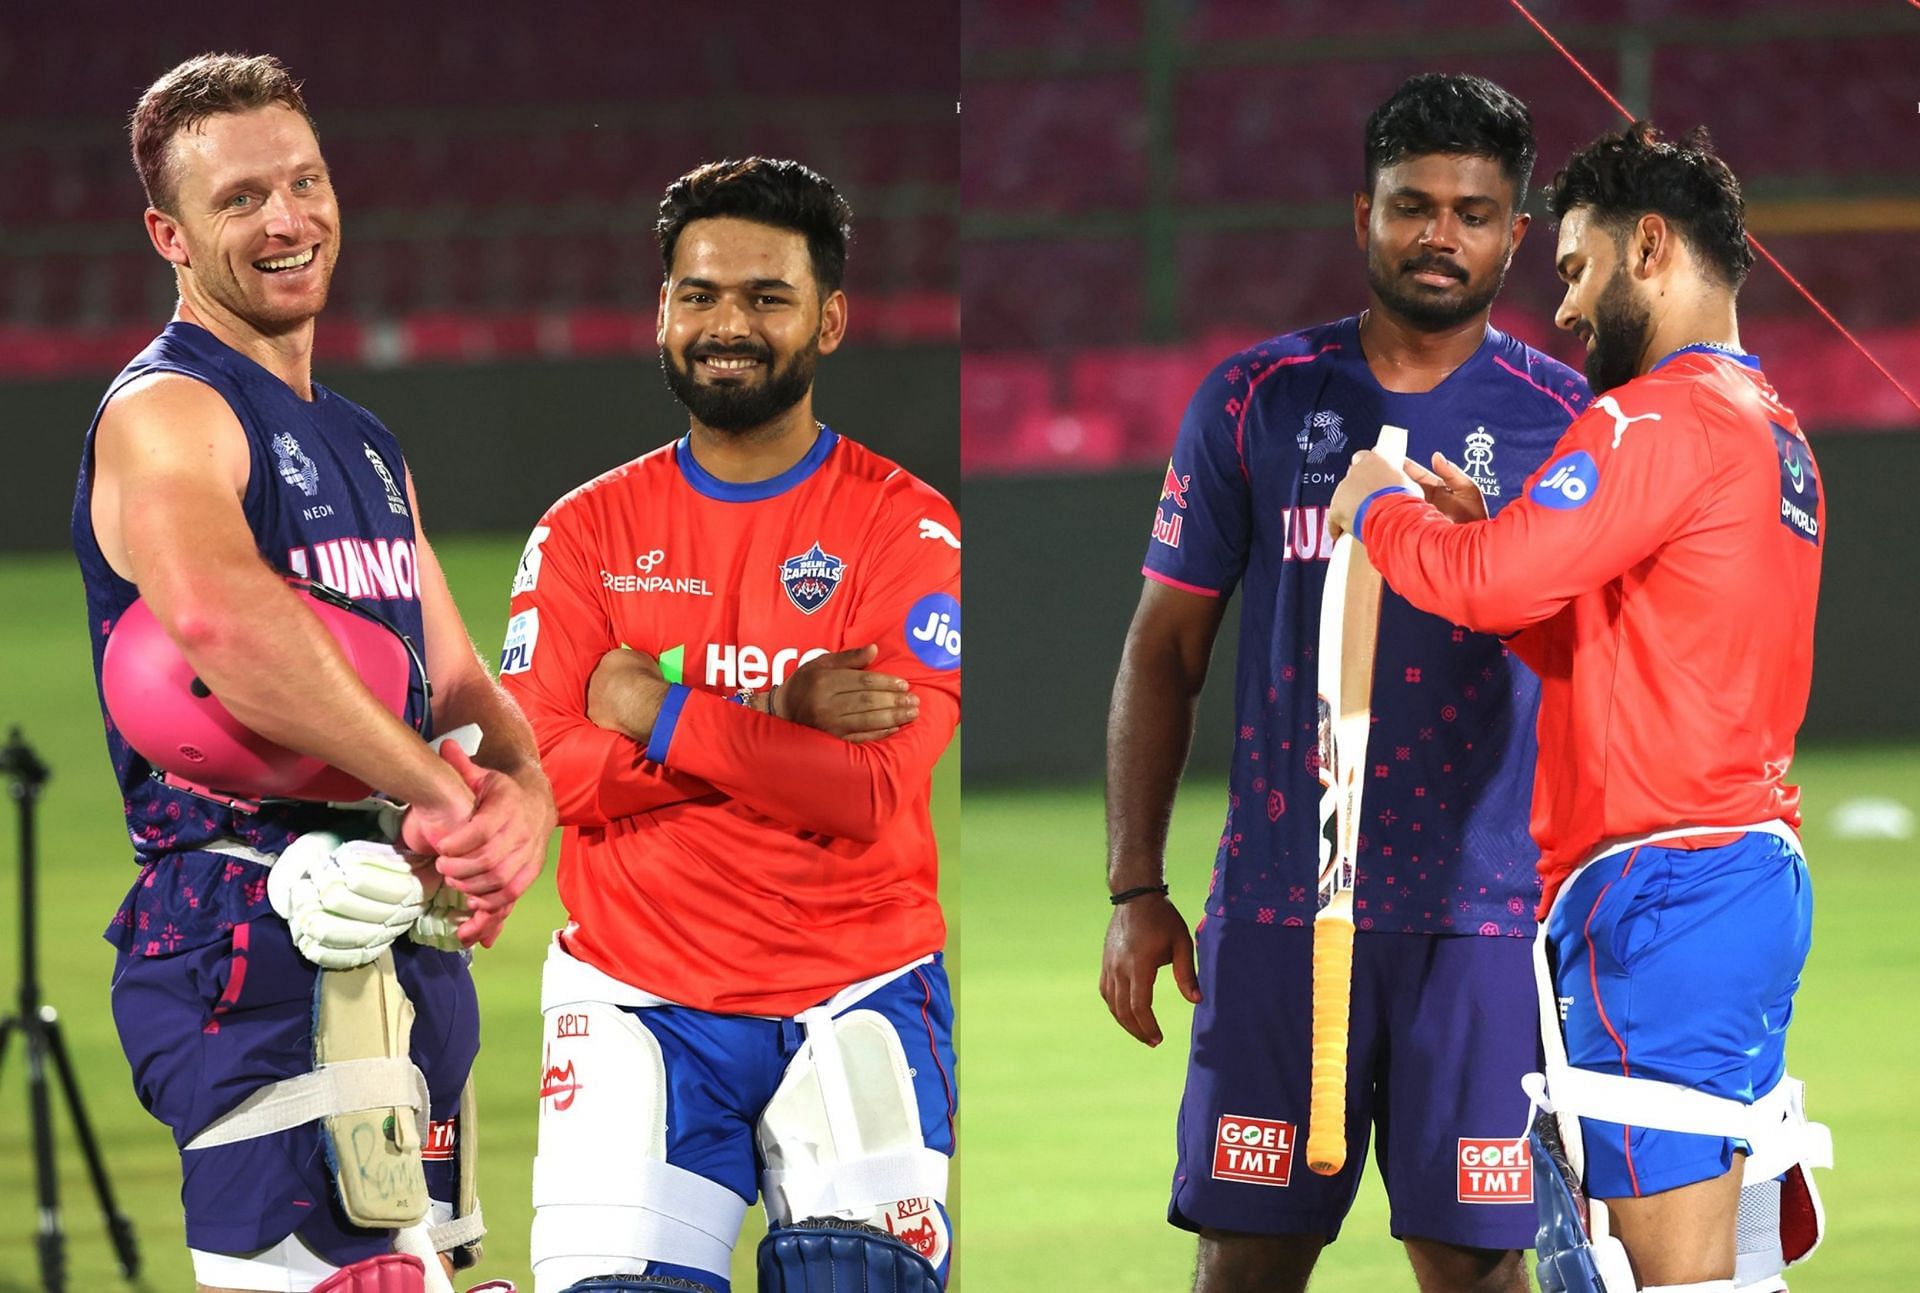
x,y
810,578
1331,438
295,467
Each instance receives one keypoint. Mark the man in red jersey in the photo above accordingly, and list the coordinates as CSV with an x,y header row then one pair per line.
x,y
740,655
1660,575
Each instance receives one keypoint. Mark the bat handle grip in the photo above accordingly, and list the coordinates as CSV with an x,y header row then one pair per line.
x,y
1332,1007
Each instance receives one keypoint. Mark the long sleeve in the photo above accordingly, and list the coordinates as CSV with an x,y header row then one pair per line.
x,y
558,632
910,606
1617,486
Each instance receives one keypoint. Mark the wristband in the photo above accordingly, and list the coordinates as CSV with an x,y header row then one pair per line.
x,y
1140,891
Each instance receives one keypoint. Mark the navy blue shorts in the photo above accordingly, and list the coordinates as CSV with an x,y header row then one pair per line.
x,y
206,1026
1679,964
1444,1027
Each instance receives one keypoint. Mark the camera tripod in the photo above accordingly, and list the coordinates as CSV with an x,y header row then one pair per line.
x,y
39,1027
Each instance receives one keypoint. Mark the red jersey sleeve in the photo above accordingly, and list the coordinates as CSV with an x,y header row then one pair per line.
x,y
1619,483
556,635
910,606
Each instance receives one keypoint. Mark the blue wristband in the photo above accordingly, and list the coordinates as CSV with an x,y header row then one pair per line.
x,y
669,718
1360,512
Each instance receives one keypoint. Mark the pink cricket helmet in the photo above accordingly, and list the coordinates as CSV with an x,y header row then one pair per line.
x,y
173,721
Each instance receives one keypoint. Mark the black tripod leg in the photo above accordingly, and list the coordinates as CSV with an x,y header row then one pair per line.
x,y
48,1240
6,1035
119,1229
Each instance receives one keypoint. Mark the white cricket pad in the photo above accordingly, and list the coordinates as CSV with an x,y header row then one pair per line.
x,y
841,1136
605,1199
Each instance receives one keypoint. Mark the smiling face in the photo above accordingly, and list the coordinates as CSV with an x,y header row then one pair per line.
x,y
1602,306
742,322
1439,231
255,230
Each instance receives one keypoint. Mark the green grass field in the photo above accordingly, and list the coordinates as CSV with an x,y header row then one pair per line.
x,y
1069,1145
1067,1138
85,867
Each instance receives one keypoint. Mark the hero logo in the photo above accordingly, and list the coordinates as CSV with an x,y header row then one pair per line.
x,y
733,667
523,634
527,577
1568,482
1255,1150
933,631
1495,1171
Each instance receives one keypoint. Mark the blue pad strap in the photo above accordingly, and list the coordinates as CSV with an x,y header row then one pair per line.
x,y
823,1255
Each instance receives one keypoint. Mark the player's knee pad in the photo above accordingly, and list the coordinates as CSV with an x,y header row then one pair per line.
x,y
1781,1219
824,1255
387,1273
606,1201
841,1137
637,1284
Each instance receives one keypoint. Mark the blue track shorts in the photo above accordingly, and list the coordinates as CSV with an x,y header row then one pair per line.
x,y
1679,962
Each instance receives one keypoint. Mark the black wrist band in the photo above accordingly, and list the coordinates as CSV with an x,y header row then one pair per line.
x,y
1128,895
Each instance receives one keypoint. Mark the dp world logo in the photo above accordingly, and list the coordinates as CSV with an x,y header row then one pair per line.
x,y
810,578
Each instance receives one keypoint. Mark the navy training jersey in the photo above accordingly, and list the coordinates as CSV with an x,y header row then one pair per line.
x,y
326,498
1444,846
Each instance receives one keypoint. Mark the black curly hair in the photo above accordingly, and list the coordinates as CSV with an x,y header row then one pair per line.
x,y
1445,112
1626,174
783,194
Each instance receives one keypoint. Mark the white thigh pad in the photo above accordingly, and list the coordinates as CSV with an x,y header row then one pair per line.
x,y
841,1136
605,1199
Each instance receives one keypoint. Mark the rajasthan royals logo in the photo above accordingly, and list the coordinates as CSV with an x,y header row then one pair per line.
x,y
296,468
810,578
1331,439
1479,463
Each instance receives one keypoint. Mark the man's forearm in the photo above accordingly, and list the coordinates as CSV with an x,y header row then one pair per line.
x,y
1149,733
279,672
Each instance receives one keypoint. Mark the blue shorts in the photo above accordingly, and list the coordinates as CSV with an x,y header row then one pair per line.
x,y
723,1069
1679,964
206,1026
1443,1029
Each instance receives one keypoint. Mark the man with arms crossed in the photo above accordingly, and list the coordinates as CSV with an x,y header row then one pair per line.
x,y
740,654
215,468
1660,574
1441,1017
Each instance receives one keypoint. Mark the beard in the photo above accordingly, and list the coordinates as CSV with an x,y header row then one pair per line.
x,y
740,404
1424,308
248,295
1619,328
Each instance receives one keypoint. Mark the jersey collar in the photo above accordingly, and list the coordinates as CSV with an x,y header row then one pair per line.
x,y
752,491
1740,357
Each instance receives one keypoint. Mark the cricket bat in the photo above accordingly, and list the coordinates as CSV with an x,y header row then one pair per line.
x,y
1349,628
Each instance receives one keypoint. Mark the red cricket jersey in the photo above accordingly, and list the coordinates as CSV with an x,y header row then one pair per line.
x,y
739,862
1661,573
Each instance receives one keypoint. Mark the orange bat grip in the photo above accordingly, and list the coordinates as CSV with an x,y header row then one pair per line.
x,y
1332,1006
